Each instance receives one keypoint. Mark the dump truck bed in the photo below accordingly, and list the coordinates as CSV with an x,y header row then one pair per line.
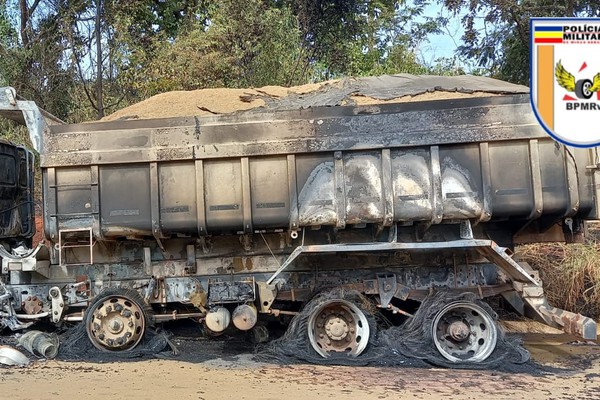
x,y
482,159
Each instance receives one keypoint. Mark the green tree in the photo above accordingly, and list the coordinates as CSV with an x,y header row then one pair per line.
x,y
497,31
354,37
244,44
31,54
80,59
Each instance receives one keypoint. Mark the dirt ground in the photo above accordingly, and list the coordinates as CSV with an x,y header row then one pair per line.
x,y
566,369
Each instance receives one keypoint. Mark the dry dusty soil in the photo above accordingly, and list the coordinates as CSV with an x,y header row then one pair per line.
x,y
569,370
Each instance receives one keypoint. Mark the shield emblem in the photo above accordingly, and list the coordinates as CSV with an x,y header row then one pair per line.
x,y
565,78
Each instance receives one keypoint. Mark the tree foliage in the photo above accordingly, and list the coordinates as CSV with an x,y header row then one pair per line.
x,y
245,44
497,31
81,59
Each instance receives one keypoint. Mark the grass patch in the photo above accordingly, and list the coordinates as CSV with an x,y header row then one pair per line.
x,y
570,273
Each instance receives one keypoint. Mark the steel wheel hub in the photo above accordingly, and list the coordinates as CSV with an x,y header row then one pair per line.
x,y
117,323
464,332
459,331
338,326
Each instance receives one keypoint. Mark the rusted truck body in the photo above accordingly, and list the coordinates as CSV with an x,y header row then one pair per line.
x,y
229,219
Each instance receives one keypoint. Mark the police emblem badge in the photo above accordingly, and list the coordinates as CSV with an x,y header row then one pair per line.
x,y
565,78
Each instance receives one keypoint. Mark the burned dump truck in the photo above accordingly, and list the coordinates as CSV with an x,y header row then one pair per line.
x,y
242,218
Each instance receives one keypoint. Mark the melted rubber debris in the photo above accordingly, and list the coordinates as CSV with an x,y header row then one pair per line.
x,y
76,346
408,345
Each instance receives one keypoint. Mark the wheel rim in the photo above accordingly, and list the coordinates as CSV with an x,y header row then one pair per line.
x,y
338,326
116,323
464,332
586,89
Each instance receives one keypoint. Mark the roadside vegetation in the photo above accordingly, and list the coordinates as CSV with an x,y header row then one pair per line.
x,y
570,272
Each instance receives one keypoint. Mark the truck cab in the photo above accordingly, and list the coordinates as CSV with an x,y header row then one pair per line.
x,y
17,224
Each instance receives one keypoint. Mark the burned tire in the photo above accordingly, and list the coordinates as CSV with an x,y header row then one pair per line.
x,y
296,343
582,89
444,313
463,331
116,320
338,326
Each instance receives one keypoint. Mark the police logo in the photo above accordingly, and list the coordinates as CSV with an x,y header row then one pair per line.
x,y
565,78
583,88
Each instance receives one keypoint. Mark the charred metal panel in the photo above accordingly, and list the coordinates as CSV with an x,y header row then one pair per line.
x,y
220,292
412,185
124,141
387,187
461,181
316,194
125,200
555,188
436,186
223,195
587,179
293,191
73,198
486,181
511,179
363,185
50,206
339,184
293,132
246,195
180,289
178,212
270,192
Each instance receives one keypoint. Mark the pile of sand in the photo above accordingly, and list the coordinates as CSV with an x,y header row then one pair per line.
x,y
348,91
207,101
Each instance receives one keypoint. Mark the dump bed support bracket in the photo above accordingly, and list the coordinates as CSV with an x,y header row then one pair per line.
x,y
532,302
487,248
528,287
